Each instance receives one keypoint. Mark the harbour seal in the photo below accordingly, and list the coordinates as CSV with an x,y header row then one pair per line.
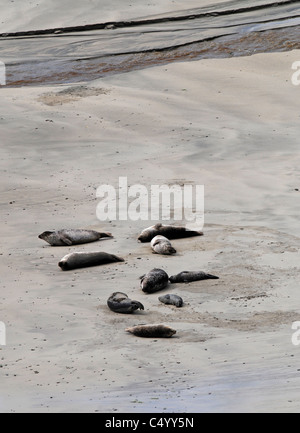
x,y
155,280
120,303
162,245
85,259
189,276
171,232
171,300
152,331
68,237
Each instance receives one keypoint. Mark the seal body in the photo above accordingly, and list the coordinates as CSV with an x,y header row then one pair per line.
x,y
162,245
120,303
156,279
85,259
68,237
152,331
189,276
171,300
169,231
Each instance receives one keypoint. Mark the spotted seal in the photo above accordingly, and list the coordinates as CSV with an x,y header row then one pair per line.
x,y
162,245
68,237
85,259
152,331
171,300
189,276
154,280
169,231
120,303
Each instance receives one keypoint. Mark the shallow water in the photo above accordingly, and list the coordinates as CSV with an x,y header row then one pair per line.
x,y
75,54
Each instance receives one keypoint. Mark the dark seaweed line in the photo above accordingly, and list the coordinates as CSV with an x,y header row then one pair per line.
x,y
172,47
127,53
134,23
156,50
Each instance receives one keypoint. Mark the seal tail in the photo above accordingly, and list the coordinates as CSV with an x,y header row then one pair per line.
x,y
119,259
211,277
106,235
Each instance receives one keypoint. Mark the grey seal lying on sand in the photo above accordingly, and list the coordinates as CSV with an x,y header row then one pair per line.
x,y
189,276
155,280
152,331
68,237
162,245
120,303
85,259
171,300
169,231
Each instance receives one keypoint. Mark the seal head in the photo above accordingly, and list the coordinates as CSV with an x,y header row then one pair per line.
x,y
162,245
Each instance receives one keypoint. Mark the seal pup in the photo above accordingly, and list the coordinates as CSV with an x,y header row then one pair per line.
x,y
85,259
171,300
68,237
156,279
152,331
162,245
189,276
120,303
171,232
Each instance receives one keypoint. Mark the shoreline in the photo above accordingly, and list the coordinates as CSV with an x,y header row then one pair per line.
x,y
65,53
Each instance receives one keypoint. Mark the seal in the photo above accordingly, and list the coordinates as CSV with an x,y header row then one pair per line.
x,y
85,259
152,331
120,303
155,280
68,237
189,276
171,300
171,232
162,245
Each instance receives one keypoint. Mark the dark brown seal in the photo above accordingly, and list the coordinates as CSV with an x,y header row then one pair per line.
x,y
189,276
169,231
120,303
152,331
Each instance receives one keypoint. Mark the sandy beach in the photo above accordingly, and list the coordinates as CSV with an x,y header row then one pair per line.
x,y
231,125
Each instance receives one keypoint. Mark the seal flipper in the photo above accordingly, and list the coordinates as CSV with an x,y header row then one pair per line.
x,y
138,305
66,240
